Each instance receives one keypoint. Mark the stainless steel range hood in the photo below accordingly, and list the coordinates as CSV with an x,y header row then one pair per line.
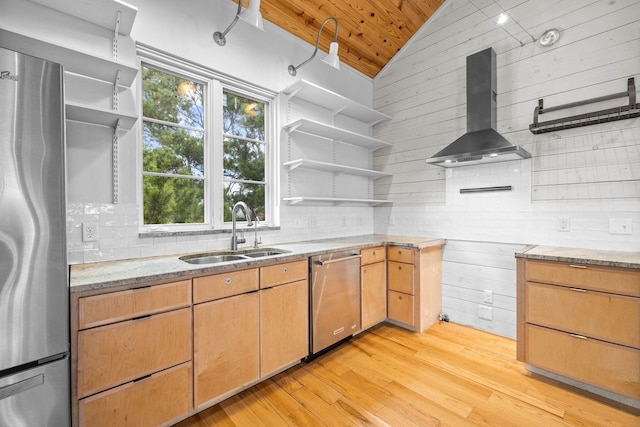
x,y
482,143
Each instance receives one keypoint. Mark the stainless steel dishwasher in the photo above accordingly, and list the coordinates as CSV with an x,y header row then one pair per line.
x,y
335,299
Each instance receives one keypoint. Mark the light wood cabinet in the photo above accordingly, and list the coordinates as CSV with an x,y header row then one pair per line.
x,y
223,285
581,322
284,326
112,307
128,345
157,399
286,272
373,280
414,295
225,346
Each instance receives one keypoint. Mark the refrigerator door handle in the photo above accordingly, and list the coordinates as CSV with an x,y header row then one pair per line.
x,y
21,386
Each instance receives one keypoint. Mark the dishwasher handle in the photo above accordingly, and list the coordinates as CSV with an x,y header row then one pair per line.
x,y
331,261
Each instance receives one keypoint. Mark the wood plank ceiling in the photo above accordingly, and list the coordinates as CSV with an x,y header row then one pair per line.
x,y
370,31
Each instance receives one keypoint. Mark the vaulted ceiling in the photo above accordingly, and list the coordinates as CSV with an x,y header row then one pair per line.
x,y
370,31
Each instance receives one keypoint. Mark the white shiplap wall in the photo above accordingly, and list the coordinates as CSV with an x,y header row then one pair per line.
x,y
588,175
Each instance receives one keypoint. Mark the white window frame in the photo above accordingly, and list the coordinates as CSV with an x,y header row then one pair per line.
x,y
215,84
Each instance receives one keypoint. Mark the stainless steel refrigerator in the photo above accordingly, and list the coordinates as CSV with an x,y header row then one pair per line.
x,y
34,290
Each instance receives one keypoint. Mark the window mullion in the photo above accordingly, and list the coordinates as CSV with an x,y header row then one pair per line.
x,y
216,155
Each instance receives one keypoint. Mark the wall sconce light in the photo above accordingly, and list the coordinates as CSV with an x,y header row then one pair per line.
x,y
251,16
332,58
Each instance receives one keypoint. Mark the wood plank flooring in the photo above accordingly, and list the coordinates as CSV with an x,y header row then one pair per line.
x,y
450,375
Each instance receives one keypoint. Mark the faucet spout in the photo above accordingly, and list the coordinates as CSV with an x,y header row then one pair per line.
x,y
234,212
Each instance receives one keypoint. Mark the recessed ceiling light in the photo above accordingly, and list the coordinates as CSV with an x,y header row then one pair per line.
x,y
502,18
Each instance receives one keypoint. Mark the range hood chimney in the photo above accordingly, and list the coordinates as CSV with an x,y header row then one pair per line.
x,y
482,143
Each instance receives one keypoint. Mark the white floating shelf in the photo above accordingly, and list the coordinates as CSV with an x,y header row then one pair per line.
x,y
336,134
333,167
100,12
73,60
99,116
333,201
335,102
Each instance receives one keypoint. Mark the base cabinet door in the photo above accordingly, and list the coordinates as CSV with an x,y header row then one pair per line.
x,y
226,345
373,292
284,332
155,400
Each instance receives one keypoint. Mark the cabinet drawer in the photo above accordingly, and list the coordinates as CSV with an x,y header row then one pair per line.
x,y
284,273
608,366
400,277
618,281
116,306
156,400
114,354
607,317
400,254
400,307
372,255
224,285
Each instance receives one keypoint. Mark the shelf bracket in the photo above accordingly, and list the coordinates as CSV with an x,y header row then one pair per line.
x,y
114,45
114,93
114,164
293,128
631,110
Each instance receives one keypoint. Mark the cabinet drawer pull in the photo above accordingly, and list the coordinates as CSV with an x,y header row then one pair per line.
x,y
142,378
400,297
227,280
577,266
285,270
582,337
579,290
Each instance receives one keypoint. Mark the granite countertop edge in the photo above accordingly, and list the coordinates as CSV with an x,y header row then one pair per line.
x,y
605,258
138,271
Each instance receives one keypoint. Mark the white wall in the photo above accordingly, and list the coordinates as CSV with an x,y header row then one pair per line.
x,y
183,29
588,175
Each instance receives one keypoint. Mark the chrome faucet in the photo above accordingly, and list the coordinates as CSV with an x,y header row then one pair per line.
x,y
247,215
256,239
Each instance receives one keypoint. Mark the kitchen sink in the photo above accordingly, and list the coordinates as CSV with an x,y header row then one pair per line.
x,y
229,256
264,252
211,259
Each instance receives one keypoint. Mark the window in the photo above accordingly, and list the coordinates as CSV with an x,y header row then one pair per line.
x,y
206,145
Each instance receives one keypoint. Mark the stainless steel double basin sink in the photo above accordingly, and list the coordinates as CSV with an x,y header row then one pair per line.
x,y
219,257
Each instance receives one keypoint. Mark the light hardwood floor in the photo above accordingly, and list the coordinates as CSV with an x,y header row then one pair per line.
x,y
450,375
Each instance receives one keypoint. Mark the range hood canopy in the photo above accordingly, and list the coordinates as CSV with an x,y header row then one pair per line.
x,y
482,143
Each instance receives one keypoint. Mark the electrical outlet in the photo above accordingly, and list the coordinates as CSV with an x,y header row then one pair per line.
x,y
620,226
488,297
358,220
391,220
485,313
313,222
89,232
344,221
564,224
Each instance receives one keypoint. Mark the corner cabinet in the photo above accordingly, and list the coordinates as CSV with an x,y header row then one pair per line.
x,y
414,286
582,322
328,148
91,39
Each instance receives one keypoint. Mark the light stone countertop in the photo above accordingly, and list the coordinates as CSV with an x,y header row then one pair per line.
x,y
605,258
131,272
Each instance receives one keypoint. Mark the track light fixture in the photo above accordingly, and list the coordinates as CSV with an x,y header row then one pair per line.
x,y
251,16
332,58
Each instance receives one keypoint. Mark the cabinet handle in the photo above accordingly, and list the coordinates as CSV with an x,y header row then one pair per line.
x,y
579,290
400,297
582,337
227,280
285,270
577,266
